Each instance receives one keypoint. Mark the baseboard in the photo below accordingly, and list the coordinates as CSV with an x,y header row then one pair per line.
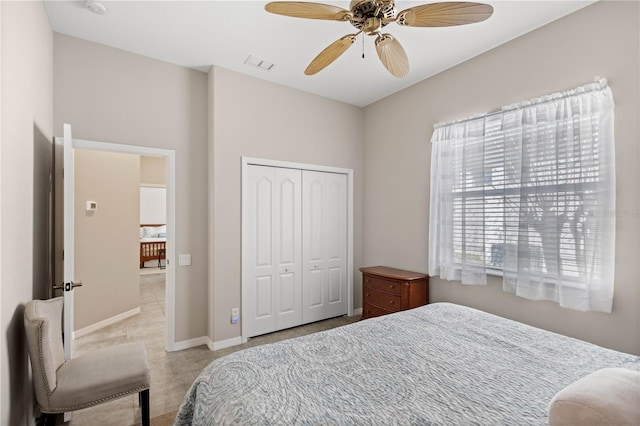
x,y
205,340
105,323
357,312
191,343
223,344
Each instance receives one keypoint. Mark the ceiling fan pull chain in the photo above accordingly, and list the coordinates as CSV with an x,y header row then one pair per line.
x,y
362,45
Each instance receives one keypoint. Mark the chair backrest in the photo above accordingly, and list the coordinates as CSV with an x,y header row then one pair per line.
x,y
43,325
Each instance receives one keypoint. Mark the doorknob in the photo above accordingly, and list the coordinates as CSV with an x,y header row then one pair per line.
x,y
67,286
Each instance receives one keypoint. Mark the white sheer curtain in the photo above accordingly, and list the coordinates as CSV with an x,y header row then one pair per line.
x,y
529,194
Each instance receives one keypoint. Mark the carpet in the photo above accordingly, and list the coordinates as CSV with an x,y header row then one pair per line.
x,y
165,419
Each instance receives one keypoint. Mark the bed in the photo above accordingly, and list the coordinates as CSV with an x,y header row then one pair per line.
x,y
438,364
153,238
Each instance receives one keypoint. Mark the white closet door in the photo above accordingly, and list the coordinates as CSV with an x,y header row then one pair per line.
x,y
272,269
288,248
324,243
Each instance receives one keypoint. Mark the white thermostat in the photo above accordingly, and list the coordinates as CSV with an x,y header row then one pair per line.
x,y
92,206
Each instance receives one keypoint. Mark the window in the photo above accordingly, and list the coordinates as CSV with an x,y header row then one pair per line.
x,y
527,193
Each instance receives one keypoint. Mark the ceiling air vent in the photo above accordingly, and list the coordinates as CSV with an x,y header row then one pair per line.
x,y
258,63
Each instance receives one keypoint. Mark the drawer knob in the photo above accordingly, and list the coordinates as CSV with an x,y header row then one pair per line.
x,y
391,286
368,294
368,280
391,302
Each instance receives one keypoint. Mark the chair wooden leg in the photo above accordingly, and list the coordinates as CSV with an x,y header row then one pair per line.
x,y
49,419
144,404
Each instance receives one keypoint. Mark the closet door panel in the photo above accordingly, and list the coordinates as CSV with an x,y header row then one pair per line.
x,y
334,223
259,268
335,232
324,245
288,221
335,285
314,209
263,290
313,291
288,242
264,222
313,286
287,294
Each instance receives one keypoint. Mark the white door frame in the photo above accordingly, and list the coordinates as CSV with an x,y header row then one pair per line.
x,y
248,161
170,155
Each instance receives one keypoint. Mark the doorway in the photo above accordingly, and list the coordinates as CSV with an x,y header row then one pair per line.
x,y
84,146
153,215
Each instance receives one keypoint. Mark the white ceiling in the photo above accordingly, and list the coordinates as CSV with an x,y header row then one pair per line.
x,y
198,34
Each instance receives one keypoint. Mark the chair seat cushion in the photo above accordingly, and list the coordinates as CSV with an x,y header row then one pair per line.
x,y
102,375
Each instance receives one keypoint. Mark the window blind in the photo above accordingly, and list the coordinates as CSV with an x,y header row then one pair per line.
x,y
526,194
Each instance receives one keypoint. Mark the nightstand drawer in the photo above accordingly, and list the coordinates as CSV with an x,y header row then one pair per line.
x,y
382,284
370,311
388,301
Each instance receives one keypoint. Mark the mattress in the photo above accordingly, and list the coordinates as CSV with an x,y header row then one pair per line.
x,y
438,364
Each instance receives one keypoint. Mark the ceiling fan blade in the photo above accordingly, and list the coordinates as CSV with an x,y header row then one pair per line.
x,y
444,14
330,54
392,55
308,10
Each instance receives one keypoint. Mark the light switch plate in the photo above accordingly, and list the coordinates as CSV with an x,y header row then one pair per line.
x,y
184,260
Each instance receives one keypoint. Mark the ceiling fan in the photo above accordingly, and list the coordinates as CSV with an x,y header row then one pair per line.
x,y
369,16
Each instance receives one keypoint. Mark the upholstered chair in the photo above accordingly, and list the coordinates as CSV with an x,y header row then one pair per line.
x,y
90,379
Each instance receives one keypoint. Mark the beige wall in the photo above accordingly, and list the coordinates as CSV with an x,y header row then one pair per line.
x,y
109,95
27,100
255,118
107,240
153,170
600,40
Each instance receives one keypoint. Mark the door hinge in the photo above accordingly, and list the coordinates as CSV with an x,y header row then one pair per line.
x,y
67,286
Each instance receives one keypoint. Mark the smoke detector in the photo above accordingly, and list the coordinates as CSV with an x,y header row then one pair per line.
x,y
96,7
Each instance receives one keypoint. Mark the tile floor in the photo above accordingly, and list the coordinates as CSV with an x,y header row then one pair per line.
x,y
171,372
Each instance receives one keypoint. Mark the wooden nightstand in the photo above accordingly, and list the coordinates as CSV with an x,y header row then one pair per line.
x,y
387,290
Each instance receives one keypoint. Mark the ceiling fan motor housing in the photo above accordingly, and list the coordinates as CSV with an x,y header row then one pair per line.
x,y
364,10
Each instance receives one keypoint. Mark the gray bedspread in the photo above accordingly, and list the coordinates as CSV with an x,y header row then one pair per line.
x,y
439,364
